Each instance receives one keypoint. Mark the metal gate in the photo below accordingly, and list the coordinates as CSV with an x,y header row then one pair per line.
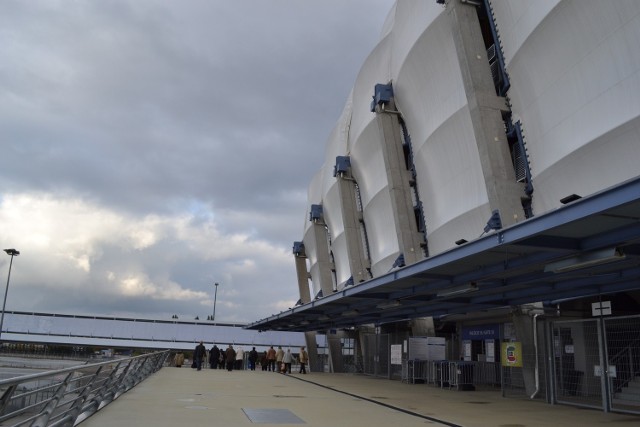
x,y
596,363
376,357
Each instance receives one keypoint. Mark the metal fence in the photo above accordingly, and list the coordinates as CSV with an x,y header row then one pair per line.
x,y
597,363
623,362
459,375
67,396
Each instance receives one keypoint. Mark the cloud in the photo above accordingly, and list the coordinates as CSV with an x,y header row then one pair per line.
x,y
91,253
151,148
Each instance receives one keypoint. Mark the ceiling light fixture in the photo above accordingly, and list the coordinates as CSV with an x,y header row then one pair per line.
x,y
584,260
458,290
389,304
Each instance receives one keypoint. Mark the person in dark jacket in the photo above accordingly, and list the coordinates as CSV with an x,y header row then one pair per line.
x,y
222,361
253,358
231,357
199,354
214,357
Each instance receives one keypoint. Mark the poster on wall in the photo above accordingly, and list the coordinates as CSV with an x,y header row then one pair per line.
x,y
490,351
512,354
466,345
396,354
427,348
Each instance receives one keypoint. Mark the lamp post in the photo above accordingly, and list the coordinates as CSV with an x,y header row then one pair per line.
x,y
215,297
11,253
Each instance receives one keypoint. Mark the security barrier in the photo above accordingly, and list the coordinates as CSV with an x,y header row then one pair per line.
x,y
459,375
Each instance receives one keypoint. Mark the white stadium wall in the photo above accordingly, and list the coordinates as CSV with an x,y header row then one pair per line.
x,y
332,207
574,71
365,150
575,85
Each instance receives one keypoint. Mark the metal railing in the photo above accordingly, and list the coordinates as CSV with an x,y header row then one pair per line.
x,y
65,397
451,374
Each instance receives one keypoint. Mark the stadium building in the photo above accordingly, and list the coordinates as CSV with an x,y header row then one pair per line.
x,y
476,220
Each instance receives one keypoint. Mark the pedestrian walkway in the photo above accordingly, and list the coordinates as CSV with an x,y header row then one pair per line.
x,y
182,396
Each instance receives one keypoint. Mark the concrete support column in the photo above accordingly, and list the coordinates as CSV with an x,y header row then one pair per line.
x,y
312,351
409,238
359,263
305,297
485,109
326,285
303,279
523,324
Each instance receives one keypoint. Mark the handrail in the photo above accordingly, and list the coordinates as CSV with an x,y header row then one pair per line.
x,y
65,397
623,376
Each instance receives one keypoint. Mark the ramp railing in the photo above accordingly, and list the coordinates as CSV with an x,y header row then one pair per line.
x,y
66,397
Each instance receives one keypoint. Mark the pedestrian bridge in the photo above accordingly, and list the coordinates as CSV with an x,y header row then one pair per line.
x,y
118,332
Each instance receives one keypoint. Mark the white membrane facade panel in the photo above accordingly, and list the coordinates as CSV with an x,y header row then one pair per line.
x,y
375,70
575,80
517,20
341,260
383,243
367,161
451,184
368,169
413,16
430,94
331,201
388,23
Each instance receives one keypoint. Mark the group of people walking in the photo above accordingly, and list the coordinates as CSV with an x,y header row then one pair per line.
x,y
219,358
280,361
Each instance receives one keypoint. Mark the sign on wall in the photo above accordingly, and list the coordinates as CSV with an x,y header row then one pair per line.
x,y
396,354
512,354
480,333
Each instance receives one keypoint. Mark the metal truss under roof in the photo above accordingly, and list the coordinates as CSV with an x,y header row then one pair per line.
x,y
588,247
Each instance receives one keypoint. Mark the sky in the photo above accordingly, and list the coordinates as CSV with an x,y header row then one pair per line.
x,y
149,149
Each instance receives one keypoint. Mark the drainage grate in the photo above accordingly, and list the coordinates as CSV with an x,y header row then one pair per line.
x,y
271,416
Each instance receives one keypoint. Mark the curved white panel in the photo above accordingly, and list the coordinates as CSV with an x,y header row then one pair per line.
x,y
368,168
375,70
383,242
331,201
430,94
413,18
575,79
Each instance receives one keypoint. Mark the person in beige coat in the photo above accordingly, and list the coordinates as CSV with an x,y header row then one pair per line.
x,y
279,356
304,359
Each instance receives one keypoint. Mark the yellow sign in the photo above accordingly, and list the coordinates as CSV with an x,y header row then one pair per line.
x,y
512,354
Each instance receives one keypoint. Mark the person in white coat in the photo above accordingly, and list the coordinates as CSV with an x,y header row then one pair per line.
x,y
239,358
286,362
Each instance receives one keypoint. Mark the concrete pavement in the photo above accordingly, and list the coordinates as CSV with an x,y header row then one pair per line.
x,y
185,397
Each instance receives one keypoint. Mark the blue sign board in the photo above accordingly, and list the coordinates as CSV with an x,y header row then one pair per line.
x,y
481,332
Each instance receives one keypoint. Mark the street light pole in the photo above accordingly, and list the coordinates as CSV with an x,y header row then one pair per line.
x,y
215,297
11,253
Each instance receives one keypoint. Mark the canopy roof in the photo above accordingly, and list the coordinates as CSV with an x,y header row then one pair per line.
x,y
588,247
